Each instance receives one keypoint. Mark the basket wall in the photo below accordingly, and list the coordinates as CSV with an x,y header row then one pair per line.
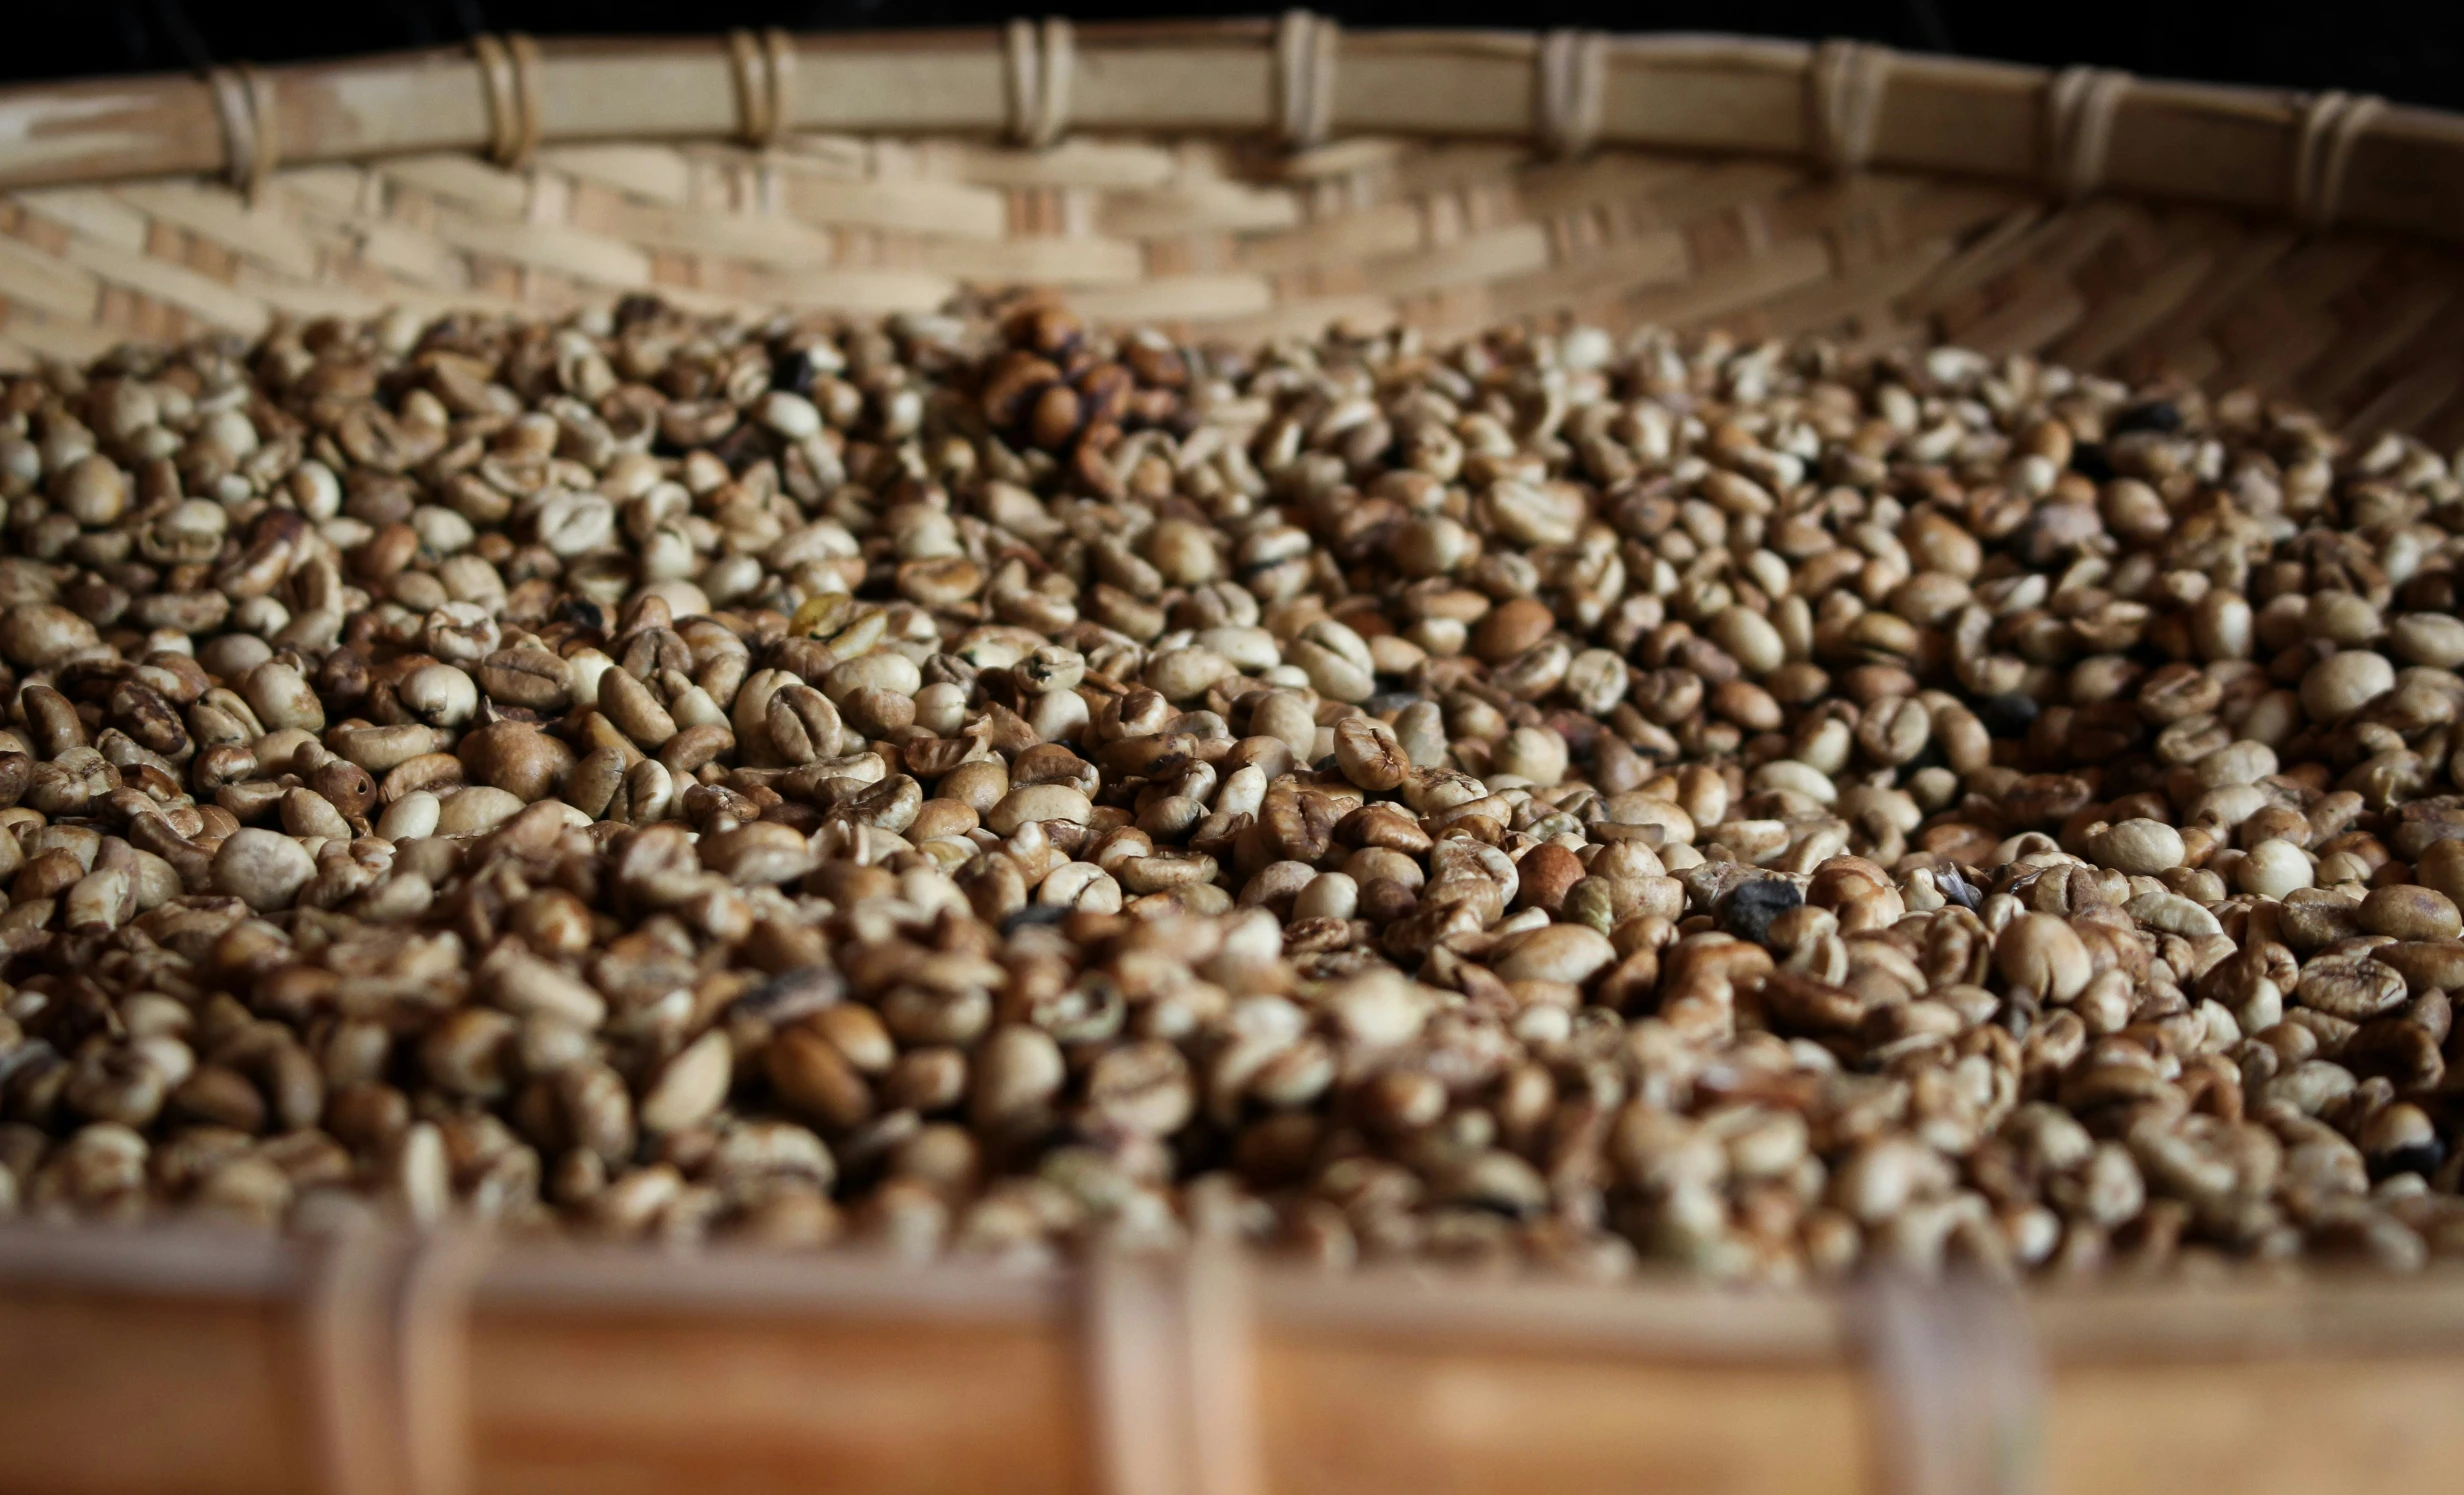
x,y
113,228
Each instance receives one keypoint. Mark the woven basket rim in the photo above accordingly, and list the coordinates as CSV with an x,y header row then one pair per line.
x,y
2248,1315
2320,157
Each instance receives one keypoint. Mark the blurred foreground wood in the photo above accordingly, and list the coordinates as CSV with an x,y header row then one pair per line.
x,y
171,1362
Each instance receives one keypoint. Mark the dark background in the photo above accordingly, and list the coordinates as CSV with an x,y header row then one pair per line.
x,y
2409,50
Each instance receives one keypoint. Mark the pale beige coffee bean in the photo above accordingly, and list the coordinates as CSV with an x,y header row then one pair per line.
x,y
2242,762
1329,895
439,695
1080,885
2335,688
1560,952
383,749
414,815
92,491
1420,730
1791,776
689,1087
1287,717
263,869
282,697
2138,847
1186,674
2175,913
308,813
894,673
1750,638
1037,802
2041,953
99,902
2273,869
2433,640
1018,1072
475,809
1535,754
1336,661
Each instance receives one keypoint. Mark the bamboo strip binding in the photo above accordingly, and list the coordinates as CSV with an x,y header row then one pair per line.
x,y
1171,1373
1573,90
509,71
2323,153
1957,1385
765,85
384,1324
244,104
2079,107
1845,86
1307,51
1042,61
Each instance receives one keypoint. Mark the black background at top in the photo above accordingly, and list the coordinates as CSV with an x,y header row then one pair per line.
x,y
2409,50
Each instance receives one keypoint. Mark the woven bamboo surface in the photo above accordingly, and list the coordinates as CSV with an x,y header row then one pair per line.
x,y
1446,180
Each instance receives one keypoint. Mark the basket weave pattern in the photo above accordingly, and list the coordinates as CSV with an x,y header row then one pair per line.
x,y
1221,232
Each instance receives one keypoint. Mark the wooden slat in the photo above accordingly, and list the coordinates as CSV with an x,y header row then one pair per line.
x,y
634,1371
1736,285
2286,1427
651,1401
1528,1419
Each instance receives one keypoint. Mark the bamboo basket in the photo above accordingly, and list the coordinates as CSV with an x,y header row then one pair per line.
x,y
1233,180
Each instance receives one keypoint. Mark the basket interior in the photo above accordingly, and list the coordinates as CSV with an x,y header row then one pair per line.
x,y
1217,238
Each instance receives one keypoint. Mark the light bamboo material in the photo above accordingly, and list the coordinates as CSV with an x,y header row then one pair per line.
x,y
173,1362
1246,178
